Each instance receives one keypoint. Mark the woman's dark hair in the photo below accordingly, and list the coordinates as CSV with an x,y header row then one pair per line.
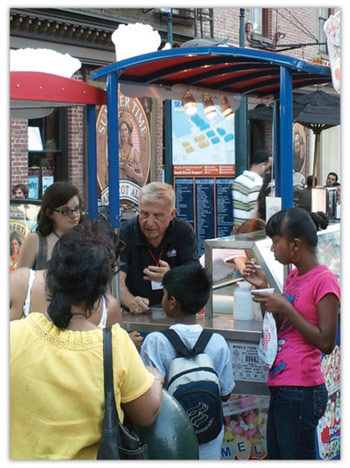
x,y
320,219
190,284
55,195
82,265
293,223
263,193
250,225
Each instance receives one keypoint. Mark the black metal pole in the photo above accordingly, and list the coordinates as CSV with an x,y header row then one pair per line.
x,y
241,120
168,147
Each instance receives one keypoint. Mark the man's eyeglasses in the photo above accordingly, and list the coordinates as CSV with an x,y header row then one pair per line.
x,y
69,211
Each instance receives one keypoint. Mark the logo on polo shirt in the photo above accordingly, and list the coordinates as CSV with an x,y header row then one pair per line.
x,y
171,253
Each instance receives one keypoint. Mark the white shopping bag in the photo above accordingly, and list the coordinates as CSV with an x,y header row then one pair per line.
x,y
268,341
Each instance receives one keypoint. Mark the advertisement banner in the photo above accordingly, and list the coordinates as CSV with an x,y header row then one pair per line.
x,y
134,117
22,221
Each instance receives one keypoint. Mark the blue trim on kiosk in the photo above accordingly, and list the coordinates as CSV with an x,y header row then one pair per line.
x,y
169,67
92,161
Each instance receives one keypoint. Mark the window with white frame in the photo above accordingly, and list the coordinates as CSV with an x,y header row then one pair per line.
x,y
323,15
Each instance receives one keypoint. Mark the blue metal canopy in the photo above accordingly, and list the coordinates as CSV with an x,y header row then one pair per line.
x,y
228,69
235,70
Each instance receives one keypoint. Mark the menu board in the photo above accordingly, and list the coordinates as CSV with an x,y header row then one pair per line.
x,y
224,212
184,190
206,203
205,225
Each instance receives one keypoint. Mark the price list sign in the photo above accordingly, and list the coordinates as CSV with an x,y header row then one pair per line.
x,y
205,225
224,212
206,203
184,191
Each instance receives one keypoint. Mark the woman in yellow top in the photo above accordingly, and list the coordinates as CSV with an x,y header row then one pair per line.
x,y
56,359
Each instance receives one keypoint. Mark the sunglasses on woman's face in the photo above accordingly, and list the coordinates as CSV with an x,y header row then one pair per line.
x,y
69,211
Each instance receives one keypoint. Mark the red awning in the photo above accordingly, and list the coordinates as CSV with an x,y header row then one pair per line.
x,y
36,90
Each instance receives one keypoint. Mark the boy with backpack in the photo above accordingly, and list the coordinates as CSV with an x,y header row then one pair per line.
x,y
197,366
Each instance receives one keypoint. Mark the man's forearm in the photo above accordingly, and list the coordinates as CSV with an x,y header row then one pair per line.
x,y
125,296
135,304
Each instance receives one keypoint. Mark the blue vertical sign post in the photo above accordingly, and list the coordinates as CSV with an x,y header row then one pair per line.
x,y
276,147
286,137
113,156
92,162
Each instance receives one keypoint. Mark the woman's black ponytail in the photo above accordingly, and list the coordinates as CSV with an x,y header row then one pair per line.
x,y
59,309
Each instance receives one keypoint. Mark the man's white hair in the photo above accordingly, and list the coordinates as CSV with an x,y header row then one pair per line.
x,y
155,191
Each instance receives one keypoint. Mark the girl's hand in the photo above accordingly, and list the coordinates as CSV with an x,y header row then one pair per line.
x,y
275,303
254,275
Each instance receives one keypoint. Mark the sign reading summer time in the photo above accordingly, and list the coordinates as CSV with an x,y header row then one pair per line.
x,y
205,144
134,149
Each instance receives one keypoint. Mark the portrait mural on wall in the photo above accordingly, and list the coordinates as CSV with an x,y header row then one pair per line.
x,y
299,154
134,141
22,221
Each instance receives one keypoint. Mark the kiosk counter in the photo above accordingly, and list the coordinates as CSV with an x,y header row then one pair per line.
x,y
246,411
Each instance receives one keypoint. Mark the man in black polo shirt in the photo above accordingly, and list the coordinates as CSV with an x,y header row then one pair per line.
x,y
155,242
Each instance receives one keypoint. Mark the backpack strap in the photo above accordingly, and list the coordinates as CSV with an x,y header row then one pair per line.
x,y
179,346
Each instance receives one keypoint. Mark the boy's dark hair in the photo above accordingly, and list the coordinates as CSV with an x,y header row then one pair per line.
x,y
309,181
190,284
293,223
260,156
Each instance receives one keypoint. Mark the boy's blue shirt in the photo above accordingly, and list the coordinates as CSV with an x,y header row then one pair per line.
x,y
156,351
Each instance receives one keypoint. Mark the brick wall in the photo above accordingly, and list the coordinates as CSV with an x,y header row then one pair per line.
x,y
18,152
76,146
299,24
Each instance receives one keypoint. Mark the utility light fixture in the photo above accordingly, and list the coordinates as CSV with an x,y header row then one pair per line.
x,y
209,106
225,108
189,103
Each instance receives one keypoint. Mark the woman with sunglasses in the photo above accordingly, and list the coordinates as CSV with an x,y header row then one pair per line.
x,y
60,210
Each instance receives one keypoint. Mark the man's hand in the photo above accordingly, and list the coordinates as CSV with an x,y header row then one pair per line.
x,y
139,305
156,273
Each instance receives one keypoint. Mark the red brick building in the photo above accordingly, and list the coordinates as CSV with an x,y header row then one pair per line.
x,y
85,33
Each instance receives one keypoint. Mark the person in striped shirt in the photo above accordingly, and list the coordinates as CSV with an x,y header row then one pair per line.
x,y
246,187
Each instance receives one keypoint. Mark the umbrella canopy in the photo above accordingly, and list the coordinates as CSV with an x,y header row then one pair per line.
x,y
317,111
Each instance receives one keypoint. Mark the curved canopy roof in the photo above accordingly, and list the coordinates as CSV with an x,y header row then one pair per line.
x,y
227,69
37,91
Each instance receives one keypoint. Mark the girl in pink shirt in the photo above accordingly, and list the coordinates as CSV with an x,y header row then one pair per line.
x,y
306,316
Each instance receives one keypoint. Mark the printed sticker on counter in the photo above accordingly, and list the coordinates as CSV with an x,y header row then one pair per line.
x,y
246,363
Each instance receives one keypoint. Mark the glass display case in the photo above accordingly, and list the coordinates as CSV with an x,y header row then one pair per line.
x,y
221,297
